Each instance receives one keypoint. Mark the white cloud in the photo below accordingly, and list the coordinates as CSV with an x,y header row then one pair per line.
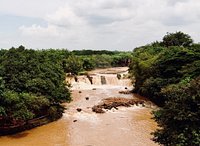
x,y
29,8
37,30
106,24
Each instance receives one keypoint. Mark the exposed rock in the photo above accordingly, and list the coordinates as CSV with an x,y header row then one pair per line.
x,y
90,78
110,103
119,76
116,108
103,80
76,78
98,109
79,109
75,121
125,92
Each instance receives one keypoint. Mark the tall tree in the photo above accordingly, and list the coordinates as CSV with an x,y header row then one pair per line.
x,y
177,39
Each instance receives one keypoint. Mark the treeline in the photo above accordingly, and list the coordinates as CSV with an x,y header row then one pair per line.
x,y
94,52
32,82
168,73
85,60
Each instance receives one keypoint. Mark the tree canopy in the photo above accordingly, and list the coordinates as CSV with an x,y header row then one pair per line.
x,y
168,73
31,82
177,39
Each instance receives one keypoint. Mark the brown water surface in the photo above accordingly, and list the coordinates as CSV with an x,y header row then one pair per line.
x,y
123,127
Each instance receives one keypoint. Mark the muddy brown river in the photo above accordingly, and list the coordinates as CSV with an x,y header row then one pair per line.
x,y
123,127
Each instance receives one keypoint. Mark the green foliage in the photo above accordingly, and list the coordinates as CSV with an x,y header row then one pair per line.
x,y
168,73
172,60
93,52
23,106
73,64
191,69
143,68
33,71
122,59
2,111
30,83
177,39
14,107
101,59
88,64
179,118
35,103
155,68
55,112
2,86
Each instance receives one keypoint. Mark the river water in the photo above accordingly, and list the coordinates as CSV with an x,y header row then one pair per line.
x,y
123,127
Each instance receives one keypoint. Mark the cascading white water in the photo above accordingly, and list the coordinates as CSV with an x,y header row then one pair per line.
x,y
100,79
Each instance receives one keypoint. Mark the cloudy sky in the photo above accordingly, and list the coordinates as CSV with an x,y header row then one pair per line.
x,y
94,24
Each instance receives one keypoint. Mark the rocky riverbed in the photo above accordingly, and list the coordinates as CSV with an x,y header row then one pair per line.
x,y
123,123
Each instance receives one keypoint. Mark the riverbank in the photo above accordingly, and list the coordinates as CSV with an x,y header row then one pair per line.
x,y
32,123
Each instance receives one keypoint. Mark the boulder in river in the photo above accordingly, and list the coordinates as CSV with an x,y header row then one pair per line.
x,y
79,109
98,109
103,80
75,121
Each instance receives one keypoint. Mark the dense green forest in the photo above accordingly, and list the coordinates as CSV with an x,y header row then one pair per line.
x,y
32,82
168,73
31,85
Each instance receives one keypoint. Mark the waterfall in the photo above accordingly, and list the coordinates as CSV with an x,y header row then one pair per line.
x,y
112,79
100,79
